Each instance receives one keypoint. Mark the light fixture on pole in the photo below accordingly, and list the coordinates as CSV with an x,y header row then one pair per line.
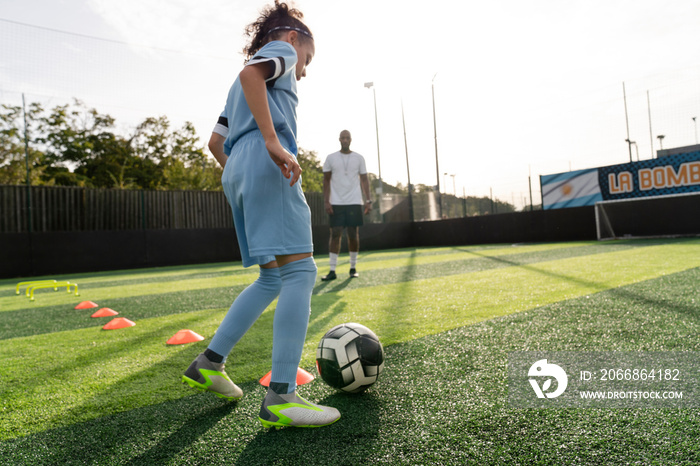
x,y
661,141
370,85
636,148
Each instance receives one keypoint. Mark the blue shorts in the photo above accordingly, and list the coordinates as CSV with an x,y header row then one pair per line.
x,y
271,218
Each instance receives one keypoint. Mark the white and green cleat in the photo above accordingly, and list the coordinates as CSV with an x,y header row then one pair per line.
x,y
291,410
207,376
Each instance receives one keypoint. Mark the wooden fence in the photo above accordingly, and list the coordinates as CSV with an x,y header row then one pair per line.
x,y
80,209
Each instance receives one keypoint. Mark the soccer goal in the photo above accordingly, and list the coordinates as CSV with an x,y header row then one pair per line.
x,y
646,217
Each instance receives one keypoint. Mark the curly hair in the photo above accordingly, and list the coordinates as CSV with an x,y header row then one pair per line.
x,y
272,23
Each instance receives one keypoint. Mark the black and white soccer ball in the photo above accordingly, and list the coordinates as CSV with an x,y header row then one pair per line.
x,y
350,357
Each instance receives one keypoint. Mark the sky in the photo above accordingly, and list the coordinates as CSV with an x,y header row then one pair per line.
x,y
521,88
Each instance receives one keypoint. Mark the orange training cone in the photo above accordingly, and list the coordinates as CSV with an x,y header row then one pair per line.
x,y
86,305
118,322
105,312
184,336
302,377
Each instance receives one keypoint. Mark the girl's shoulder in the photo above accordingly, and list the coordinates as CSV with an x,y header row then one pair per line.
x,y
278,46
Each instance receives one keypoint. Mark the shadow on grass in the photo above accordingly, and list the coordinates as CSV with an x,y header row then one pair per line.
x,y
442,400
49,319
158,381
622,292
402,295
35,320
331,286
148,435
164,277
202,429
148,275
186,434
345,442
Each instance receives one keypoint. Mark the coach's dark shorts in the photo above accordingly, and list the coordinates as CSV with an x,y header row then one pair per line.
x,y
346,216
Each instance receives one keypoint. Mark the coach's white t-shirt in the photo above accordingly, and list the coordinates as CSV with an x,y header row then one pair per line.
x,y
345,177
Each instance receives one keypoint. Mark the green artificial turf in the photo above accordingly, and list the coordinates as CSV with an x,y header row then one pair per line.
x,y
73,393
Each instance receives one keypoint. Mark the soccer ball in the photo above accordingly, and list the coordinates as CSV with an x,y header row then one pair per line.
x,y
350,357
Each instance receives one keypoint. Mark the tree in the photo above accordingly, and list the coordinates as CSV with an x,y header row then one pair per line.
x,y
178,155
203,177
312,171
73,145
152,139
13,159
187,166
72,137
112,164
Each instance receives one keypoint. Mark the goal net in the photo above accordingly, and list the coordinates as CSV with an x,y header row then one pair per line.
x,y
659,216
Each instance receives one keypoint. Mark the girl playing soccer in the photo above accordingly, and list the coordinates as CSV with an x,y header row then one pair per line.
x,y
254,140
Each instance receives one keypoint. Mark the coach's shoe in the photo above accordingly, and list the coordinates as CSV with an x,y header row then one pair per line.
x,y
292,410
353,273
207,376
331,276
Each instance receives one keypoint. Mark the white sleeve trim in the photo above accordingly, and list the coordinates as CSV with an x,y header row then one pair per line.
x,y
220,129
278,62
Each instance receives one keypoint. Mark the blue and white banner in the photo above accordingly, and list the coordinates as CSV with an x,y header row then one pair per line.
x,y
674,174
571,189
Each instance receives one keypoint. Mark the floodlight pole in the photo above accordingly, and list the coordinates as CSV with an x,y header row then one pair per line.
x,y
437,165
408,169
651,134
627,122
380,189
529,183
444,183
26,162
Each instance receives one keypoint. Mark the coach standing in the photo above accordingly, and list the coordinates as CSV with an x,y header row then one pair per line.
x,y
344,181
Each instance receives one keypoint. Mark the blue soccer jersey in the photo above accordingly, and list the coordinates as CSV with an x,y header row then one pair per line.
x,y
237,120
271,218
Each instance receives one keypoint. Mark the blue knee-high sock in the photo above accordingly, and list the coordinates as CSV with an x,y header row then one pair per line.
x,y
290,323
245,310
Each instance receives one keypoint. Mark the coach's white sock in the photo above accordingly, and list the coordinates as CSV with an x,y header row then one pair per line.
x,y
353,259
333,261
